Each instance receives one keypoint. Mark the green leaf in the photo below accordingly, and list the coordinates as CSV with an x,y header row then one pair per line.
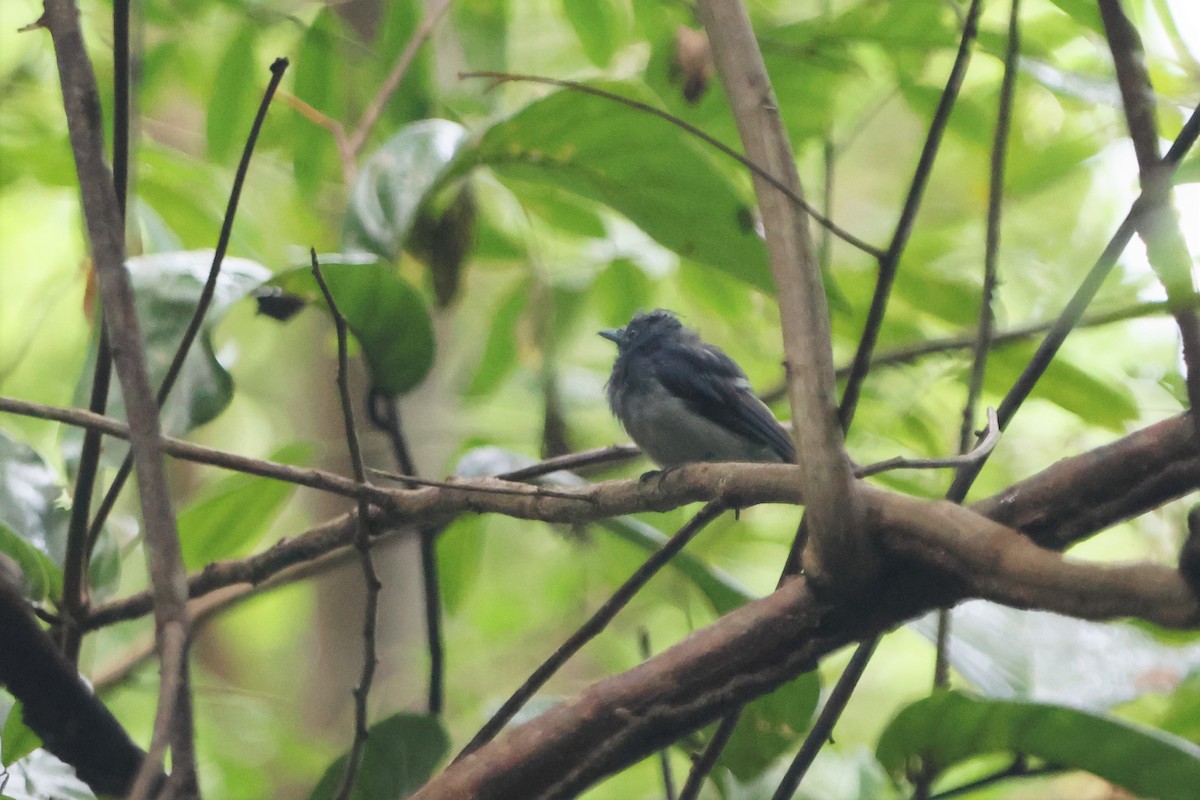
x,y
951,727
500,351
317,78
234,513
393,183
1065,385
167,287
385,313
33,524
460,555
401,754
721,590
16,739
595,23
41,577
770,726
641,166
231,104
1084,12
399,22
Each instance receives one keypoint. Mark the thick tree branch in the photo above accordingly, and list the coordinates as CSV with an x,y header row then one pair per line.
x,y
57,705
1060,505
106,236
940,553
838,553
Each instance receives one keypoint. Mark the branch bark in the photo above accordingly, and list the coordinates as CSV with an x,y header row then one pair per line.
x,y
839,556
81,101
937,554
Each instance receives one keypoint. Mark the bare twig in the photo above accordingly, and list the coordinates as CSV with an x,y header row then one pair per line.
x,y
206,295
385,414
890,263
985,332
792,194
574,461
74,594
1147,203
362,544
595,624
664,759
496,487
373,110
986,444
301,476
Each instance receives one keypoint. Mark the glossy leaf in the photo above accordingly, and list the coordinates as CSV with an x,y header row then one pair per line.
x,y
1082,11
639,165
167,287
41,577
33,523
401,754
460,555
385,313
1035,655
393,183
16,739
951,727
233,514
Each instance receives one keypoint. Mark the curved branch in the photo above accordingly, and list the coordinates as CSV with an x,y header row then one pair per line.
x,y
936,554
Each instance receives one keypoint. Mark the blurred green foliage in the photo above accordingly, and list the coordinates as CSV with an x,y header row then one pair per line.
x,y
483,233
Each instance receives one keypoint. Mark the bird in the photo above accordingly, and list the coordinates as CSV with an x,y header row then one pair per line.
x,y
682,399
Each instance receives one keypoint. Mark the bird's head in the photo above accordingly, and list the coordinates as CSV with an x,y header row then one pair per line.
x,y
645,331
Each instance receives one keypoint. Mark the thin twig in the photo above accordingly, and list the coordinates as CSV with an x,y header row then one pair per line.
x,y
278,66
362,544
300,476
987,317
1017,769
664,759
588,631
574,461
908,353
822,729
374,109
708,757
711,141
991,435
890,262
1146,203
521,489
385,415
74,593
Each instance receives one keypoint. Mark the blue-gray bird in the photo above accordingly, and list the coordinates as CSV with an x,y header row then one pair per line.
x,y
682,399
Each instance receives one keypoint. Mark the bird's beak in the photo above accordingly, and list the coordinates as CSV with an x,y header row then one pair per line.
x,y
612,334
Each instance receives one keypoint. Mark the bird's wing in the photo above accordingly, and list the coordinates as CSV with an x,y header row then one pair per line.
x,y
714,386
